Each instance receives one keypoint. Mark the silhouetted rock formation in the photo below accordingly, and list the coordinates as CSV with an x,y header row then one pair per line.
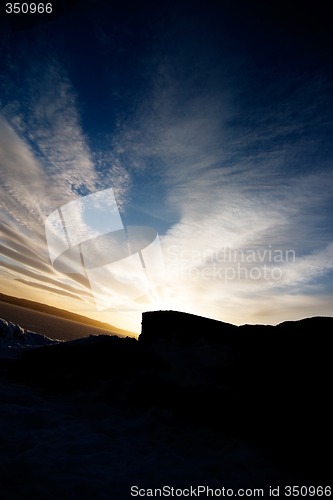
x,y
267,384
183,328
271,384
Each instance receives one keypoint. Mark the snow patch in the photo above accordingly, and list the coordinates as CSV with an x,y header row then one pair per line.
x,y
14,338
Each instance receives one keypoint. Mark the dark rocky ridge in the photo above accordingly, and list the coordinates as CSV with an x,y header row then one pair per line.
x,y
270,385
273,382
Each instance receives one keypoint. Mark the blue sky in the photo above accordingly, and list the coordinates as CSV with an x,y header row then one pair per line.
x,y
211,125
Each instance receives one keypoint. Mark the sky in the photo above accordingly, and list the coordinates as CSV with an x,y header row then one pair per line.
x,y
168,155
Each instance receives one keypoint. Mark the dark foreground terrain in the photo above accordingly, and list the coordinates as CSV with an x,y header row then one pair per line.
x,y
192,402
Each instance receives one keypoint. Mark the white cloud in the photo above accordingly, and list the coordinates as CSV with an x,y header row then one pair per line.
x,y
23,180
232,187
224,180
45,160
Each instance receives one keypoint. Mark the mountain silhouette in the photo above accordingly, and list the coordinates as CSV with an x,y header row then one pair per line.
x,y
266,385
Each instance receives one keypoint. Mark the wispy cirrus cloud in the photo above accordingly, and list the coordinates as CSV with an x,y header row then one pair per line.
x,y
46,114
22,178
48,120
243,179
45,162
220,152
